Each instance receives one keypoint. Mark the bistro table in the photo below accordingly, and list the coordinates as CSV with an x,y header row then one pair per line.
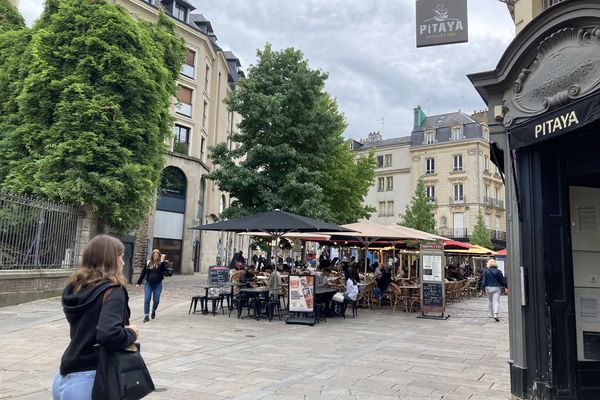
x,y
323,295
256,293
204,299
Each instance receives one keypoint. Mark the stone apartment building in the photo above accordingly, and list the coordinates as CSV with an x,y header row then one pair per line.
x,y
451,153
390,194
186,198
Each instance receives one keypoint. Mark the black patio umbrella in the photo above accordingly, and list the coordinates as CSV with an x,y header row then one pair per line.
x,y
276,223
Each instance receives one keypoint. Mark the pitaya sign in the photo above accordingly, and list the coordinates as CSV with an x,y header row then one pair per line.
x,y
441,22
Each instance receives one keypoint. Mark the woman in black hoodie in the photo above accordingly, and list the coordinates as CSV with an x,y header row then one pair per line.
x,y
95,303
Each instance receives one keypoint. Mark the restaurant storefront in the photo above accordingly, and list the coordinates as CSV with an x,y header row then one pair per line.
x,y
544,118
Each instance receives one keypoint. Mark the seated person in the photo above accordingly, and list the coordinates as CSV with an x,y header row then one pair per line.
x,y
351,292
248,275
323,279
377,269
382,283
356,272
274,282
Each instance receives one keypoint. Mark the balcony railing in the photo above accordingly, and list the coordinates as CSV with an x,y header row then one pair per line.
x,y
180,147
498,235
431,200
454,233
184,109
549,3
489,201
457,200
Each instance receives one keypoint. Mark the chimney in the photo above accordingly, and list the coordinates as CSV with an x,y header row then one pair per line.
x,y
419,117
374,137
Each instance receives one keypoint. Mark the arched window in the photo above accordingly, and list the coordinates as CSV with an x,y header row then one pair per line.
x,y
172,190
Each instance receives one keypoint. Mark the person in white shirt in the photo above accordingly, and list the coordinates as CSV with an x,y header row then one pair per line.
x,y
351,292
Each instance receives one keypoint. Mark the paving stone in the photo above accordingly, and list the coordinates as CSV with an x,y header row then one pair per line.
x,y
381,355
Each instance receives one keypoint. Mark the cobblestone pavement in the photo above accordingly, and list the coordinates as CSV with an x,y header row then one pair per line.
x,y
380,355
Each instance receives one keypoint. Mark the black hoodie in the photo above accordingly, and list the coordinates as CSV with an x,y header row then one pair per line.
x,y
93,321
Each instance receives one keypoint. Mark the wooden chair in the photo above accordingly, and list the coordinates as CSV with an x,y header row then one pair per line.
x,y
398,297
366,296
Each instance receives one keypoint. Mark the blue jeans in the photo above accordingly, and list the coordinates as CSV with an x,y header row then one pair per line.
x,y
151,291
73,386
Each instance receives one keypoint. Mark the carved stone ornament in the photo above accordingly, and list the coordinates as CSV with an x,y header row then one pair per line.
x,y
567,67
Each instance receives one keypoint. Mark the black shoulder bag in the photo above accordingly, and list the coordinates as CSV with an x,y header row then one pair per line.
x,y
121,374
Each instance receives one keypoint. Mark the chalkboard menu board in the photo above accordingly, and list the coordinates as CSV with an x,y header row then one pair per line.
x,y
433,295
218,275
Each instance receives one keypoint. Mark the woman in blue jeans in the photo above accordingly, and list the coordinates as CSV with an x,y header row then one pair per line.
x,y
154,272
95,305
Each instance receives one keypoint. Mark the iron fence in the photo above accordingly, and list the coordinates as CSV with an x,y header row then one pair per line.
x,y
36,233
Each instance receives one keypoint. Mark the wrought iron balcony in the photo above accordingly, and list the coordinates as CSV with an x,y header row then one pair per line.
x,y
498,235
550,3
489,201
454,233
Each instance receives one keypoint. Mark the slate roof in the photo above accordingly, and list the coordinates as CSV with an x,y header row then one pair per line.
x,y
381,143
445,120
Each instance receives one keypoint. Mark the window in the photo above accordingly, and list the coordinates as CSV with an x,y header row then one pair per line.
x,y
497,194
188,67
486,133
184,97
430,193
202,148
458,193
388,160
429,138
179,12
456,133
458,164
230,121
389,183
486,164
486,221
204,114
181,139
390,209
498,224
380,184
206,76
430,165
381,209
379,161
486,192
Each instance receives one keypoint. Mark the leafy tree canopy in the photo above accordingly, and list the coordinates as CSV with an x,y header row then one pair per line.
x,y
10,19
481,235
87,108
419,213
291,154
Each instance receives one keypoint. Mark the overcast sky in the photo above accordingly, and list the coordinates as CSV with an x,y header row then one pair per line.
x,y
376,73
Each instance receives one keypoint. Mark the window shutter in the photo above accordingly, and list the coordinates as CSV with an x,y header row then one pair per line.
x,y
189,57
184,95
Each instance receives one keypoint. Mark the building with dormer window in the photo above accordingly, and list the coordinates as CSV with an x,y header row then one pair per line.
x,y
186,198
451,153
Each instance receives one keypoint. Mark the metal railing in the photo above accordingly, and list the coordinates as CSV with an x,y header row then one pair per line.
x,y
493,202
454,233
36,233
498,235
550,3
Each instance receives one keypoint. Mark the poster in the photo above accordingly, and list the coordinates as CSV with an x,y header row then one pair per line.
x,y
301,293
432,268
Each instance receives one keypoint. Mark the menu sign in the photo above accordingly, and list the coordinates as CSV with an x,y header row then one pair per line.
x,y
218,275
301,293
432,279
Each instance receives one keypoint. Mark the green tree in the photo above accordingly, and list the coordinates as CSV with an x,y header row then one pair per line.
x,y
419,213
291,154
481,235
90,116
10,19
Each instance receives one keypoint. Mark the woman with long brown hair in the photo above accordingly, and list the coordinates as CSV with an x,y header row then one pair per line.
x,y
95,303
154,272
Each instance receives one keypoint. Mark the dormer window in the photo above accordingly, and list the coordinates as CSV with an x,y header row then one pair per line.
x,y
179,12
429,137
456,133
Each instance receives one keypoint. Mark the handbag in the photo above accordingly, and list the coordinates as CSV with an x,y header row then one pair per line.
x,y
121,375
339,297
